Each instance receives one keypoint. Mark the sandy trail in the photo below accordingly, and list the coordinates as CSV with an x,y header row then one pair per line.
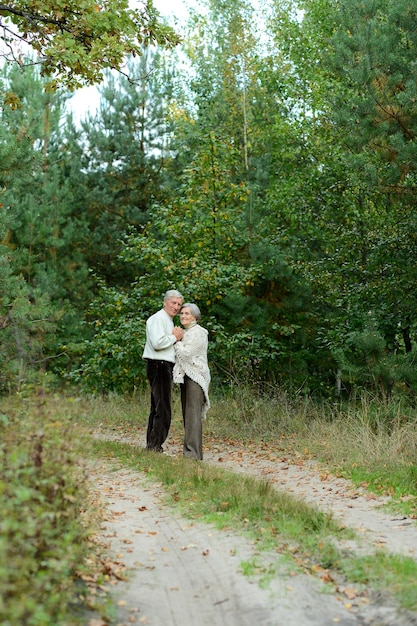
x,y
190,574
352,506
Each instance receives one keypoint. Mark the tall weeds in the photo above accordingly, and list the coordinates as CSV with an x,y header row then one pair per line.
x,y
43,528
368,440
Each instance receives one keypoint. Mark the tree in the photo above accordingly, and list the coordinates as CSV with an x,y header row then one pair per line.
x,y
75,40
123,162
205,240
354,179
44,276
373,53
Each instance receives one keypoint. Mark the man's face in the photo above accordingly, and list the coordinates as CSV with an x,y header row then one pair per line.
x,y
172,306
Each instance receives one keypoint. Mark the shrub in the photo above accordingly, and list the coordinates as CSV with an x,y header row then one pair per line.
x,y
42,536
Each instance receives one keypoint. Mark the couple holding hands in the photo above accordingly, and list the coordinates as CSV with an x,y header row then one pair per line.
x,y
175,354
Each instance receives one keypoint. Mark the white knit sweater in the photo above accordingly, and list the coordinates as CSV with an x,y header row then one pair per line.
x,y
159,337
191,360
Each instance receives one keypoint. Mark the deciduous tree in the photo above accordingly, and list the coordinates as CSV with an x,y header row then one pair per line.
x,y
75,40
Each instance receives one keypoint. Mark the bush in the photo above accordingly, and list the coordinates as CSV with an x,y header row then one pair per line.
x,y
42,537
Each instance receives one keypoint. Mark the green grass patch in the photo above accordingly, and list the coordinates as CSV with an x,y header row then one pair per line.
x,y
394,481
393,574
275,521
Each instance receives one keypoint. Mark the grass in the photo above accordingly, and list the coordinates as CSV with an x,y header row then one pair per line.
x,y
228,500
391,574
275,521
371,444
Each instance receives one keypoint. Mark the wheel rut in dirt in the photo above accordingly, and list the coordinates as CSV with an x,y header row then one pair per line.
x,y
188,574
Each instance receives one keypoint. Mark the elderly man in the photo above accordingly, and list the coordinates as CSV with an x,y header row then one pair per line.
x,y
161,334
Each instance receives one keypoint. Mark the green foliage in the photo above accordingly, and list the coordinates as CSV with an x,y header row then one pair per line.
x,y
112,359
269,176
205,240
43,539
373,51
373,105
43,274
76,40
366,363
342,190
123,160
172,252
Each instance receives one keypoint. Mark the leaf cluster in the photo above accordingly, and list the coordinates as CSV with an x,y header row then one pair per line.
x,y
43,537
75,40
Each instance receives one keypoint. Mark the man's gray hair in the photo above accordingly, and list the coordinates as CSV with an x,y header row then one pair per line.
x,y
172,293
195,311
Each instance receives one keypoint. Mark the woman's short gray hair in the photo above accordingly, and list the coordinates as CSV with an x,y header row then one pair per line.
x,y
195,311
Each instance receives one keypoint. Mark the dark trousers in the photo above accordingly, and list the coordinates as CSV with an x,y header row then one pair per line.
x,y
192,400
160,379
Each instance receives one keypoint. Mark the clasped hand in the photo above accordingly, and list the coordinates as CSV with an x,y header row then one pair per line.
x,y
178,333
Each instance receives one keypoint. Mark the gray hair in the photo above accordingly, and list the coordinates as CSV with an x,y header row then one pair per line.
x,y
172,293
195,311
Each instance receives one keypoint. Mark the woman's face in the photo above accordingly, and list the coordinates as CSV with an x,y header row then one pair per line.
x,y
186,317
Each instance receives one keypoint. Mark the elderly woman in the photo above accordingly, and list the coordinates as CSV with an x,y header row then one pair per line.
x,y
191,371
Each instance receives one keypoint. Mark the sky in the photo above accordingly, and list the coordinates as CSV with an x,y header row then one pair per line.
x,y
87,99
171,7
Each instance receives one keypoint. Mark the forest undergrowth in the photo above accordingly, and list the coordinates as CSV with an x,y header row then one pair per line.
x,y
47,543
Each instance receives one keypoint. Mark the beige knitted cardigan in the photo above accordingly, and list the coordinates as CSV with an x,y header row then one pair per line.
x,y
191,360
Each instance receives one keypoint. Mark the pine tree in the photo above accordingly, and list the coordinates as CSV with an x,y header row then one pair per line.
x,y
43,273
123,163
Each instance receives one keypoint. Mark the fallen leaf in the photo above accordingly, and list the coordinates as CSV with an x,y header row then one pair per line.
x,y
350,593
326,577
316,568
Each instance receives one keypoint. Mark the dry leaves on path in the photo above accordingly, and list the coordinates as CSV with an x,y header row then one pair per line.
x,y
185,573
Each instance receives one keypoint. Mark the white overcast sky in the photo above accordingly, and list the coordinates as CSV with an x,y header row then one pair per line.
x,y
171,7
87,99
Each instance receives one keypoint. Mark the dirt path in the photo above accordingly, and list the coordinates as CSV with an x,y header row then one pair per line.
x,y
362,511
187,574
